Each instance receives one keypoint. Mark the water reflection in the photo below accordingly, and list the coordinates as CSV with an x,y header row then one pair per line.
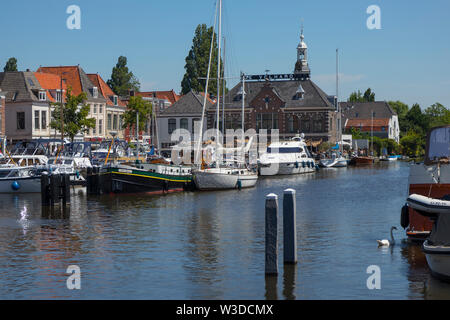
x,y
210,245
289,281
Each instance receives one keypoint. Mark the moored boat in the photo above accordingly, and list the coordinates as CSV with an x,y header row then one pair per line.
x,y
429,178
20,180
437,246
145,177
287,157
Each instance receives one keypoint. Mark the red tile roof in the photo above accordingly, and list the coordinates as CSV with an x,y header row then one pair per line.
x,y
50,82
170,96
69,73
366,124
104,89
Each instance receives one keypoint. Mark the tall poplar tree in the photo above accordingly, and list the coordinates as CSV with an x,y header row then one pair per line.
x,y
197,62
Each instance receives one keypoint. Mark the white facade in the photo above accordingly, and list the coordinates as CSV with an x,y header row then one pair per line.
x,y
169,123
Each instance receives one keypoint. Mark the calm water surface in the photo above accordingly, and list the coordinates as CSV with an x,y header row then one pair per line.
x,y
210,245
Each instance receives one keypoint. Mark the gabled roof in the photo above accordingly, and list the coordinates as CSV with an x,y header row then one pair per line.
x,y
50,83
20,86
105,90
75,78
190,103
170,96
286,90
363,110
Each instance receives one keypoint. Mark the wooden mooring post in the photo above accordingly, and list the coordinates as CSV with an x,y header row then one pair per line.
x,y
55,195
289,227
271,265
95,183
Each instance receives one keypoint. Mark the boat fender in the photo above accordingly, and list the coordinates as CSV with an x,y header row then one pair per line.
x,y
303,164
77,174
31,173
166,185
296,165
15,186
404,217
239,184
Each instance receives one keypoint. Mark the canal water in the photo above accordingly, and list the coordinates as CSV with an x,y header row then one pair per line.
x,y
210,245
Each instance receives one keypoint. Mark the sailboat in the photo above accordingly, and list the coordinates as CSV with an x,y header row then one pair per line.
x,y
235,175
336,160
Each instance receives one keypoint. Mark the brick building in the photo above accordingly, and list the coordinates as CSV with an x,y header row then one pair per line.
x,y
291,103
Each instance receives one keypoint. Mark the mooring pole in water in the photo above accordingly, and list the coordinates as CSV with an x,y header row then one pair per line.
x,y
289,227
45,196
271,266
55,186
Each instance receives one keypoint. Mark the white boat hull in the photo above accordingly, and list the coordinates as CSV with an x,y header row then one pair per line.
x,y
26,185
333,163
217,180
285,169
438,259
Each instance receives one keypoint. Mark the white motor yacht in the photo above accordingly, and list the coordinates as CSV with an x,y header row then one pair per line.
x,y
288,157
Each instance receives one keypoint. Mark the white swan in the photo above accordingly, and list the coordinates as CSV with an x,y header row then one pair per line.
x,y
385,242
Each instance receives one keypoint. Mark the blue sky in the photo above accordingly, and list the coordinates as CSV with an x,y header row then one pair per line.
x,y
407,60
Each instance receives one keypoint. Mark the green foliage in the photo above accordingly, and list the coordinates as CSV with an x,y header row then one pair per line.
x,y
137,105
75,115
368,96
122,80
11,65
437,115
413,144
197,62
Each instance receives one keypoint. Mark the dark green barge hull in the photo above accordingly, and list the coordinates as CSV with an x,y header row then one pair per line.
x,y
116,180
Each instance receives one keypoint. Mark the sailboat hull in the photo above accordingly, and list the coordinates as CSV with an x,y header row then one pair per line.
x,y
217,179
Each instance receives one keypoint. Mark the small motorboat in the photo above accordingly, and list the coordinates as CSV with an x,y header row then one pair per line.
x,y
334,162
437,246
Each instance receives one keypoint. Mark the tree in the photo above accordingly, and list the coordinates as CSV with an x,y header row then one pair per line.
x,y
197,62
75,113
413,144
437,115
122,80
137,105
11,65
368,96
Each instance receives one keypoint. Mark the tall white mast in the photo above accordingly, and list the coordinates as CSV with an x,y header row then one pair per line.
x,y
223,89
200,138
339,117
243,107
219,38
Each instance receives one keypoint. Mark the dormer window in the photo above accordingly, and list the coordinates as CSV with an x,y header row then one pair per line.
x,y
58,95
115,100
42,96
299,94
95,92
240,93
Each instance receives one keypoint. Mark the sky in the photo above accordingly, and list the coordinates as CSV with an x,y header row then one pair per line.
x,y
408,59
